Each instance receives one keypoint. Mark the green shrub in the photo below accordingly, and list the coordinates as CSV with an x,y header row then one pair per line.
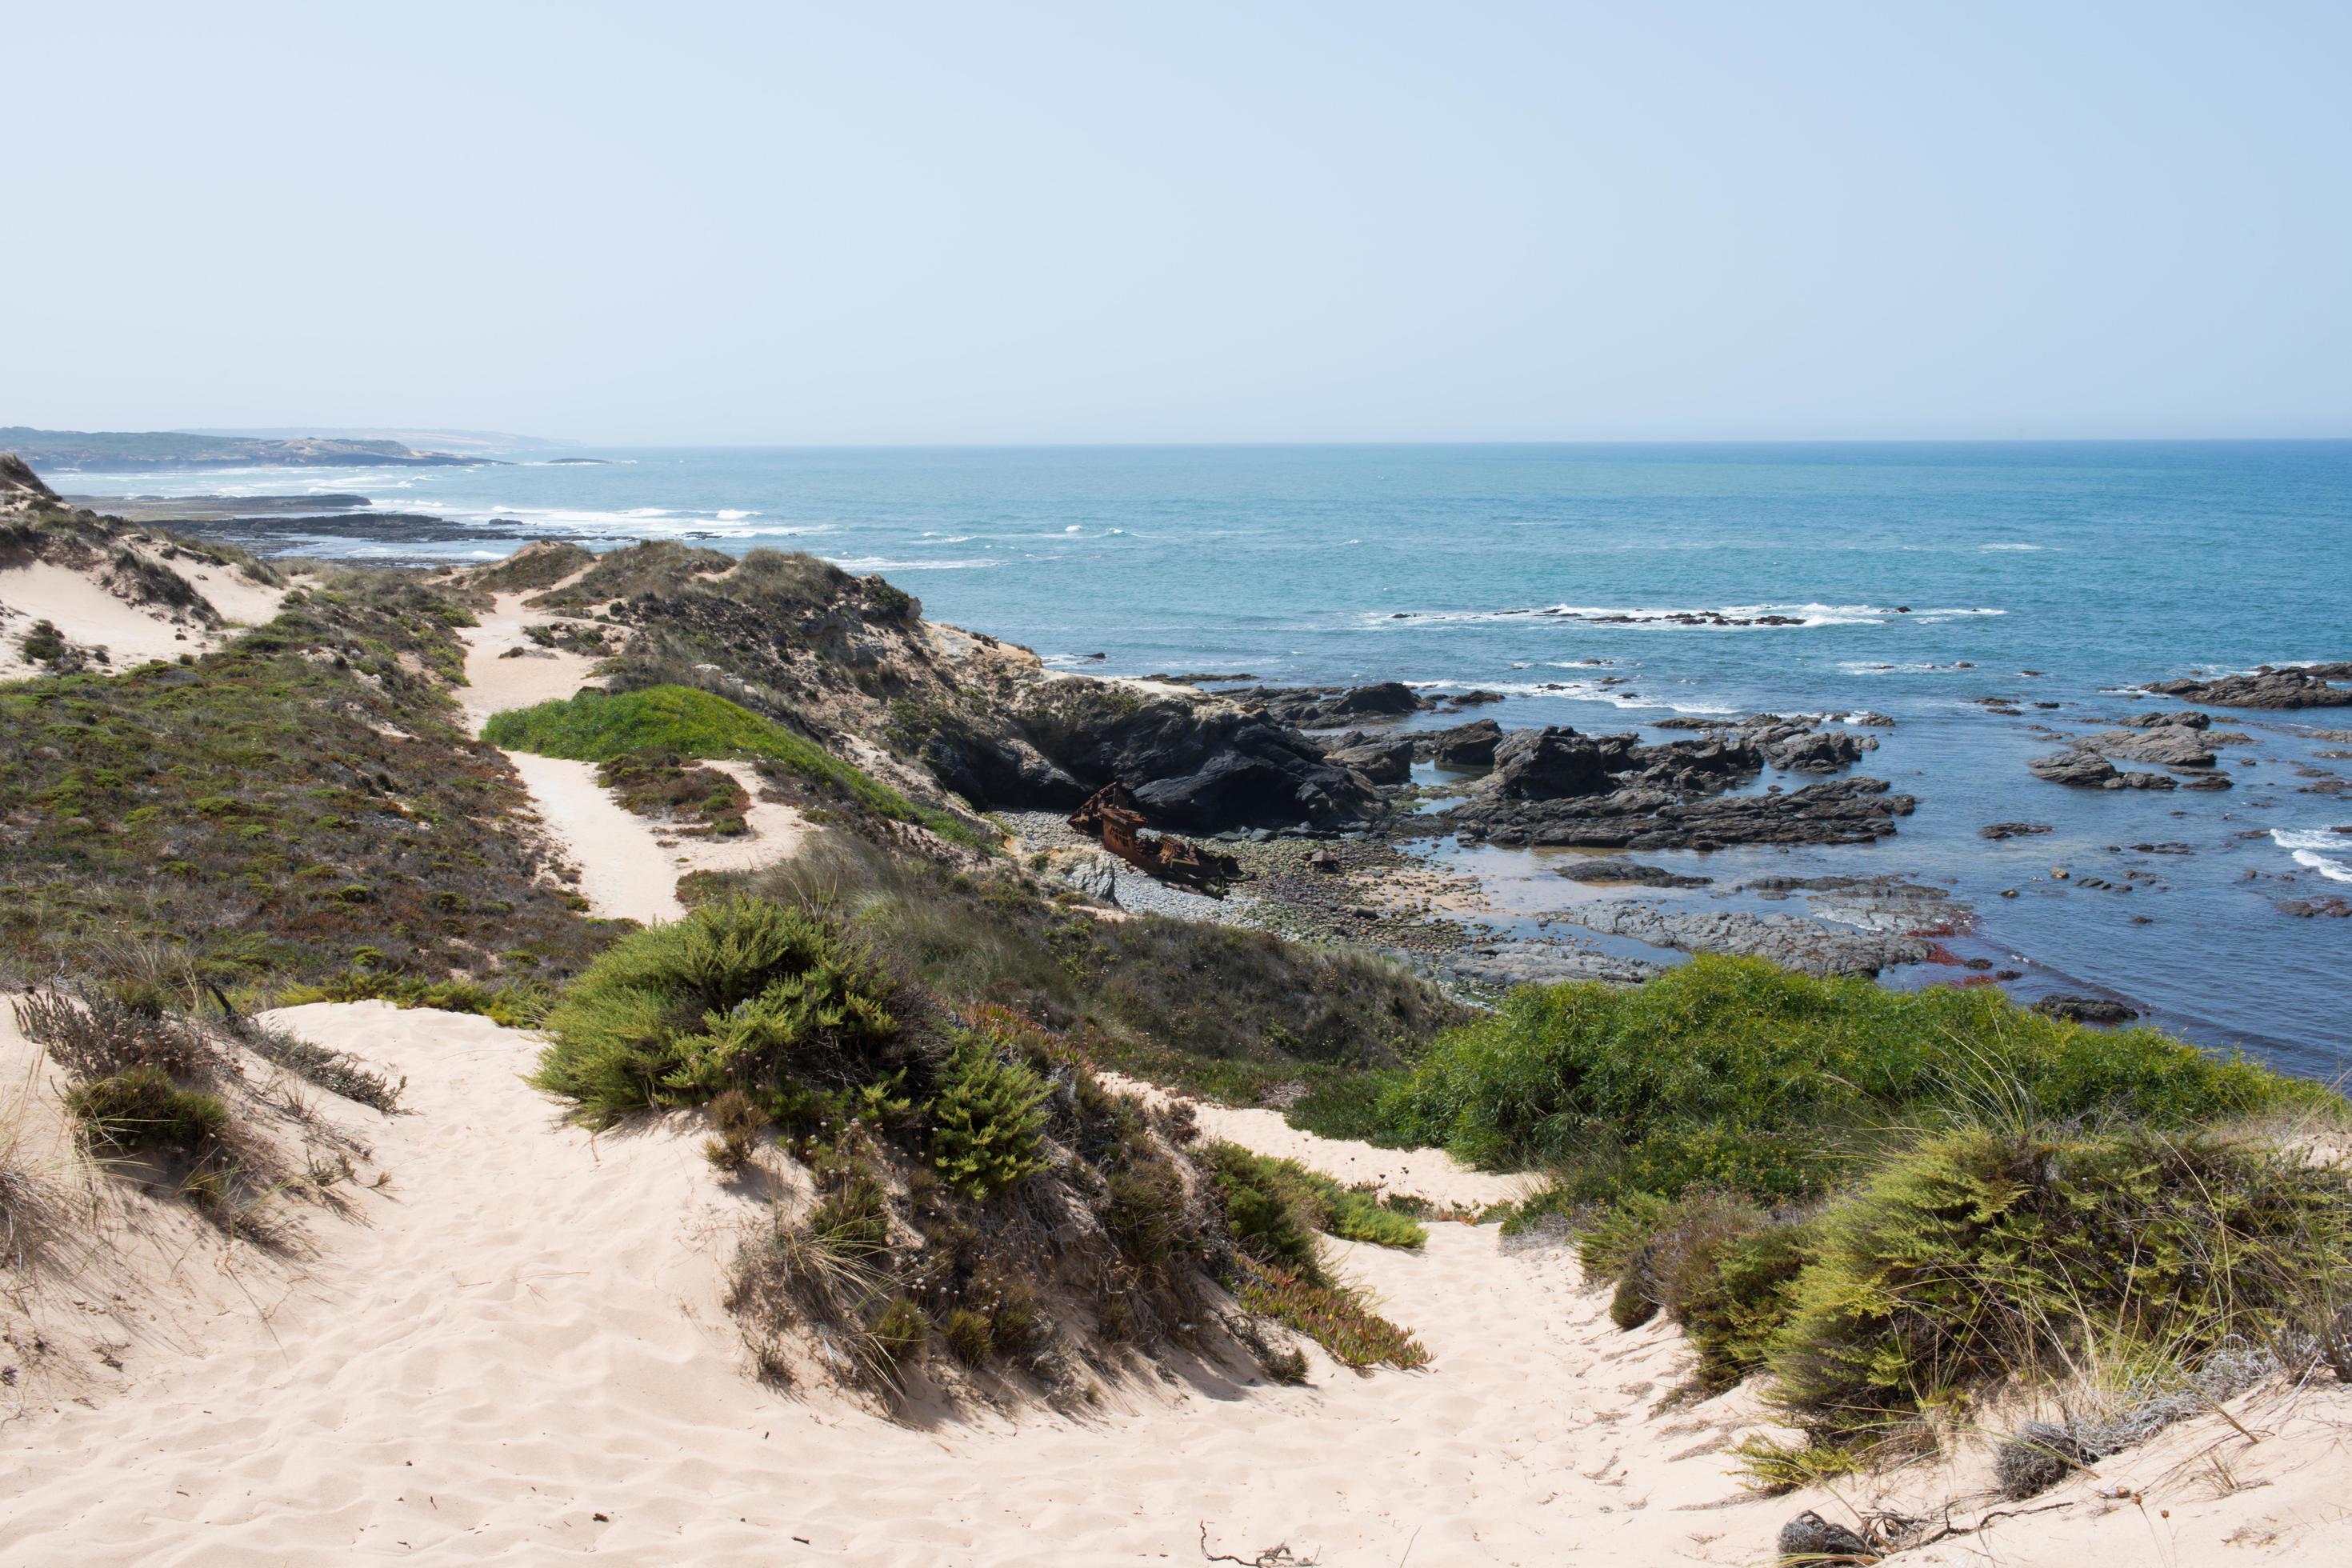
x,y
1275,1207
968,1336
1981,1257
142,1109
988,1124
595,726
1734,1074
901,1332
737,994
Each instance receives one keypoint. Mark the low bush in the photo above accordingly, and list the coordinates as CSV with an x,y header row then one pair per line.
x,y
1736,1075
1220,1011
1275,1207
988,1124
741,993
142,1109
1981,1257
656,782
1718,1265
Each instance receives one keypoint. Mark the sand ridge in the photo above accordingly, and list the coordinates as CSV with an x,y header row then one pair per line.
x,y
72,600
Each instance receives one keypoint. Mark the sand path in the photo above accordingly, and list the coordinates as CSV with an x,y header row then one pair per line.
x,y
524,1333
629,865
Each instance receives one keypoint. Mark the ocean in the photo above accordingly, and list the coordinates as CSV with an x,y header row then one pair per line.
x,y
1600,586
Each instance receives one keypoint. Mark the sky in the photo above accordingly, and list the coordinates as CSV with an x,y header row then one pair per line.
x,y
874,222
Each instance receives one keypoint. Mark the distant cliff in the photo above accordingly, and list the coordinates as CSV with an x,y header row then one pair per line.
x,y
178,449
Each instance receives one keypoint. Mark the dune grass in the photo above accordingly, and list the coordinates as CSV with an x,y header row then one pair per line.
x,y
686,721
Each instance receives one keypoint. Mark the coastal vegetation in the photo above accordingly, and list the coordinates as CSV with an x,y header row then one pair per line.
x,y
1734,1074
1892,1205
945,1137
300,805
686,722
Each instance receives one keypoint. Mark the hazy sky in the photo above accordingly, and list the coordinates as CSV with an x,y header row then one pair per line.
x,y
670,222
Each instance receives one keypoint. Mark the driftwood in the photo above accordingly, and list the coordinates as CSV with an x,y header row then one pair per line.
x,y
1111,814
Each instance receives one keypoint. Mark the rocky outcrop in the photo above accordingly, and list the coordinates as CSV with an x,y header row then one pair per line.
x,y
1328,707
2304,685
1196,763
2086,769
1555,762
2086,1009
1384,761
1790,941
1840,811
1470,745
1614,872
2012,829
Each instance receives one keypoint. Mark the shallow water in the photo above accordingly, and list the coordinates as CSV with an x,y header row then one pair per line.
x,y
1918,577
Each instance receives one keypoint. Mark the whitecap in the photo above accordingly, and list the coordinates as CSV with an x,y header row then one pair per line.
x,y
876,563
1707,617
1583,691
2334,870
2012,547
733,516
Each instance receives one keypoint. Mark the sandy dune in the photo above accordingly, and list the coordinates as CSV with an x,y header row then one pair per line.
x,y
516,1353
72,601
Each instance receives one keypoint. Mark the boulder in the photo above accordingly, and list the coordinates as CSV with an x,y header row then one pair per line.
x,y
1196,763
2086,1009
2084,770
2012,829
1555,762
2173,746
1819,751
1383,762
2305,686
1470,745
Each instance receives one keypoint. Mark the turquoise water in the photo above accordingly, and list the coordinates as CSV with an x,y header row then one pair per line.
x,y
1919,576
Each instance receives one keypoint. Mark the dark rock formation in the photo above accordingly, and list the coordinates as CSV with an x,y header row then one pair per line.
x,y
2086,1009
2012,829
1555,762
2084,769
1631,873
1327,707
1818,751
1385,761
2268,686
1842,811
2328,906
1470,745
2173,746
